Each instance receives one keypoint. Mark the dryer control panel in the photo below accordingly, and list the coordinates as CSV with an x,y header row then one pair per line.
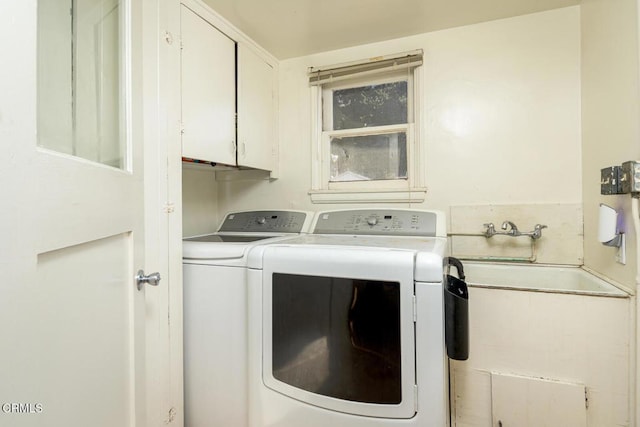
x,y
264,222
382,222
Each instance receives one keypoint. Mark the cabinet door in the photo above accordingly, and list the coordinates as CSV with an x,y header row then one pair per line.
x,y
256,110
528,401
208,91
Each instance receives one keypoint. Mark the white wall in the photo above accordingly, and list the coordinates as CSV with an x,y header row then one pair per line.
x,y
501,116
199,201
611,131
610,120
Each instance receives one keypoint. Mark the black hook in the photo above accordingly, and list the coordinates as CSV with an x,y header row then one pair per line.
x,y
457,264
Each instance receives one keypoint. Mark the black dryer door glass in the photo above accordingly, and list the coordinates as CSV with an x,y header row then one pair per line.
x,y
338,337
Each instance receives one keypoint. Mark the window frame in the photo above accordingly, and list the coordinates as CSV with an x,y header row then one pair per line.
x,y
399,190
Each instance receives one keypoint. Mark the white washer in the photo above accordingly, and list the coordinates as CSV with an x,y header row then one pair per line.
x,y
346,325
215,312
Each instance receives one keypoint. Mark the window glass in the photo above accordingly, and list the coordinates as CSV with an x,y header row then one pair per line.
x,y
369,157
372,105
79,79
338,337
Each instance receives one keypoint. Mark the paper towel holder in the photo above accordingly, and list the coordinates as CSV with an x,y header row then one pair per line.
x,y
608,232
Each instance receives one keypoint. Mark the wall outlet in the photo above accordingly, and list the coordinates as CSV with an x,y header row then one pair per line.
x,y
630,177
610,180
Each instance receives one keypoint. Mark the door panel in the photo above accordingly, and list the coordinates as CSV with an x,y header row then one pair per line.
x,y
82,201
86,316
74,318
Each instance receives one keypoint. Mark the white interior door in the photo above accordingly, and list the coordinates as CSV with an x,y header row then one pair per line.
x,y
72,227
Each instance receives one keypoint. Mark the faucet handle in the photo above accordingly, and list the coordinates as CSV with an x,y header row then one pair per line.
x,y
537,231
490,229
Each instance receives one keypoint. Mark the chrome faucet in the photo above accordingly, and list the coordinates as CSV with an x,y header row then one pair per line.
x,y
513,231
490,230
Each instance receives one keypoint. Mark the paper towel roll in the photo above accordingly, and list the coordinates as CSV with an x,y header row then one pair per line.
x,y
608,224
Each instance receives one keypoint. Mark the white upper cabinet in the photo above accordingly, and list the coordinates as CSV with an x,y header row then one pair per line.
x,y
208,91
219,67
256,110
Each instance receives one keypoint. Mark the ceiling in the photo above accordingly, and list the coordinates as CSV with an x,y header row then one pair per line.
x,y
290,28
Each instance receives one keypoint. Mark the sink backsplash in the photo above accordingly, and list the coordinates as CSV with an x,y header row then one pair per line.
x,y
561,242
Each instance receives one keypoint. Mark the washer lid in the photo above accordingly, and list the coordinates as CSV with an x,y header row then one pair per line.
x,y
242,230
210,250
230,246
223,238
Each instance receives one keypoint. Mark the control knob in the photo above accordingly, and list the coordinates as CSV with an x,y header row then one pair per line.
x,y
372,221
262,220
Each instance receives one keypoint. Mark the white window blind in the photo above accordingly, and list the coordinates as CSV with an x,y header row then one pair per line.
x,y
402,61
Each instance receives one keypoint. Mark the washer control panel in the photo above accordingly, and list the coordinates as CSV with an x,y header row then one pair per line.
x,y
264,221
394,222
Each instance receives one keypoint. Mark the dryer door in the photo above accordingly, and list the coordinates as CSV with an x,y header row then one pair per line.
x,y
338,328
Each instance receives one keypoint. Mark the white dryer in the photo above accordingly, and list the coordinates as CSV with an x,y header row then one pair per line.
x,y
215,312
346,325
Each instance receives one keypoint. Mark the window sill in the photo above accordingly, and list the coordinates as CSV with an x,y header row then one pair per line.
x,y
415,195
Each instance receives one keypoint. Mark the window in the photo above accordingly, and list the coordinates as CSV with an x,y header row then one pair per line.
x,y
81,89
365,137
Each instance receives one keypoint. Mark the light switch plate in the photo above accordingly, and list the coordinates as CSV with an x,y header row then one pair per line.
x,y
610,180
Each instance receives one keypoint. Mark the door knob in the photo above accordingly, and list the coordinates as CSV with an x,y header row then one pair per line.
x,y
152,279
